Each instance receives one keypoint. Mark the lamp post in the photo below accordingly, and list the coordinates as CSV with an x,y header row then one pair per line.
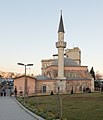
x,y
25,82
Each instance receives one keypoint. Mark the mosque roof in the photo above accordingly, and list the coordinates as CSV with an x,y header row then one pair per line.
x,y
41,77
67,62
78,79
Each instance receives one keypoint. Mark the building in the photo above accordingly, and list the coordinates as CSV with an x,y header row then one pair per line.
x,y
62,74
66,69
23,83
74,54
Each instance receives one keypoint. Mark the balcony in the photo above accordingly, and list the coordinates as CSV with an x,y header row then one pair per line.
x,y
61,44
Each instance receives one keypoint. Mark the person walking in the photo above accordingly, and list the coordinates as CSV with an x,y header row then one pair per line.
x,y
15,91
3,91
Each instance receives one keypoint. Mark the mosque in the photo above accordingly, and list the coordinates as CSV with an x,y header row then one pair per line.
x,y
61,74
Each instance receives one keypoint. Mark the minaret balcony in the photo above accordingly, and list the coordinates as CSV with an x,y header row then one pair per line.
x,y
60,44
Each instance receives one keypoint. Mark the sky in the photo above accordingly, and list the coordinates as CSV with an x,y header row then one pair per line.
x,y
28,32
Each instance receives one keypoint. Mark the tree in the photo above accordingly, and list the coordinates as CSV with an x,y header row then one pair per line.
x,y
92,73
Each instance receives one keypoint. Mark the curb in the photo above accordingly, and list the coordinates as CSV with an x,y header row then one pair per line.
x,y
28,111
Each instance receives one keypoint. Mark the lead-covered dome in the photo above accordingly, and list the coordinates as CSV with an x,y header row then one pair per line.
x,y
67,62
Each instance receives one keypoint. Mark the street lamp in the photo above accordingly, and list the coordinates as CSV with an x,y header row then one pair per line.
x,y
25,83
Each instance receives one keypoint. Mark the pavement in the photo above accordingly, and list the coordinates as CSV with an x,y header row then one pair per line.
x,y
10,109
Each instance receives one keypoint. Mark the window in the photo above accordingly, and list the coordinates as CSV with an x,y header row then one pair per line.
x,y
44,88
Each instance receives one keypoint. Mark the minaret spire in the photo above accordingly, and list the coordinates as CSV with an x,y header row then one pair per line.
x,y
61,26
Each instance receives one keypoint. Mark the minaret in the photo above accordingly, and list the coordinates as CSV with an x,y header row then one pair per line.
x,y
61,45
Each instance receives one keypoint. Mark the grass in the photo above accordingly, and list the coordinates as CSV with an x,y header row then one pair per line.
x,y
74,106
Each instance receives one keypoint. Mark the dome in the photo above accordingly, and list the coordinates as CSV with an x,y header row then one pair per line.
x,y
67,62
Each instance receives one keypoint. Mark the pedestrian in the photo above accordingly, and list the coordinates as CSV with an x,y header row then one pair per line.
x,y
72,90
4,91
1,94
15,91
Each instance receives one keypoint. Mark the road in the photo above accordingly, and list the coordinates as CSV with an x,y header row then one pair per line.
x,y
10,110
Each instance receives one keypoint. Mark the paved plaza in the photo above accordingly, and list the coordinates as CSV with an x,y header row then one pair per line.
x,y
11,110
